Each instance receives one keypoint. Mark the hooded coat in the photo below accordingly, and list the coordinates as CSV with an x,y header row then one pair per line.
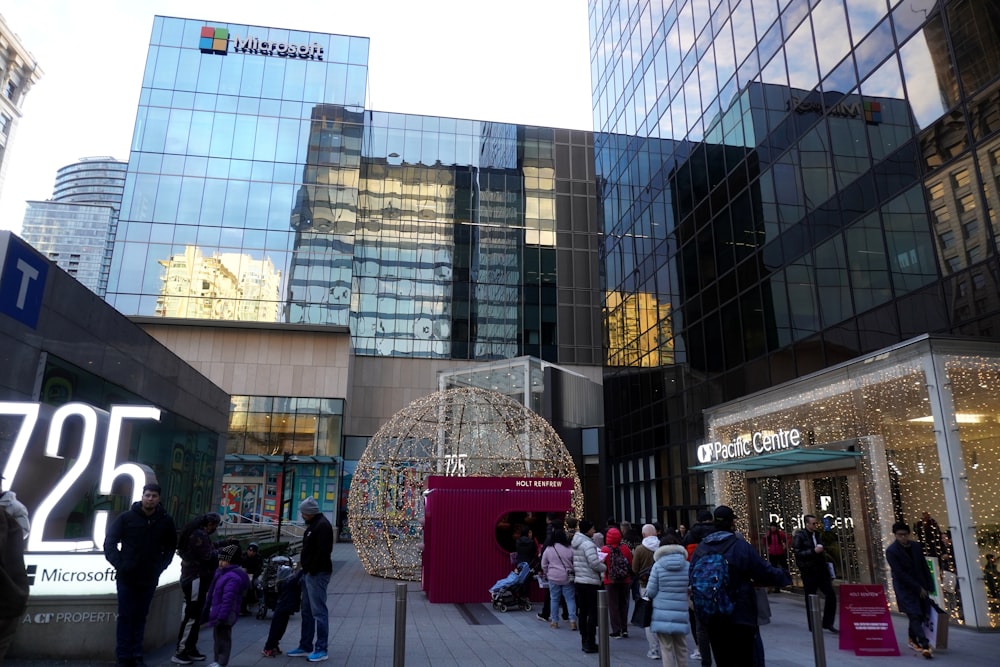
x,y
612,539
668,589
226,595
586,563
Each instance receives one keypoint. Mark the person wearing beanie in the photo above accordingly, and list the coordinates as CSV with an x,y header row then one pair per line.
x,y
588,568
199,561
317,566
734,637
642,564
224,597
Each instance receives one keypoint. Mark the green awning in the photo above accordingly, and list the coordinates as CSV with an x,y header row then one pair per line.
x,y
788,457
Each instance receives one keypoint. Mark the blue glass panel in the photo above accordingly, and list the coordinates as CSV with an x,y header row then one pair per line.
x,y
315,82
231,239
336,84
273,78
177,131
223,127
262,171
148,162
137,231
230,76
200,137
166,67
240,169
195,166
172,164
209,71
280,206
356,84
157,30
143,197
339,49
167,196
213,203
147,75
189,208
160,98
359,51
204,102
243,137
152,129
295,79
208,237
253,74
161,233
287,140
227,104
253,239
172,31
236,203
257,205
187,70
270,107
265,140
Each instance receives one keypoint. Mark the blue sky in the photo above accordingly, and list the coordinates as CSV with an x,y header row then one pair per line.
x,y
519,61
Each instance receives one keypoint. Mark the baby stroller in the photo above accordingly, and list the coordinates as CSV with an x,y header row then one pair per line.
x,y
277,569
512,590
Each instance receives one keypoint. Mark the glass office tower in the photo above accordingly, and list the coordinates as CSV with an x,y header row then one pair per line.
x,y
785,185
278,235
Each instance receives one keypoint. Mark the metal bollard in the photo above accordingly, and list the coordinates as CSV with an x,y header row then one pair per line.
x,y
603,649
816,616
399,642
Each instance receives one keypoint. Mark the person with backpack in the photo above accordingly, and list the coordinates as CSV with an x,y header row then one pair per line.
x,y
617,581
199,561
724,570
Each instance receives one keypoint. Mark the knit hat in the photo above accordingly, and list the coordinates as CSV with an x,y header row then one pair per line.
x,y
309,506
228,553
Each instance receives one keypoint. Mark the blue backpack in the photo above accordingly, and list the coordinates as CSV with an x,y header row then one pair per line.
x,y
709,582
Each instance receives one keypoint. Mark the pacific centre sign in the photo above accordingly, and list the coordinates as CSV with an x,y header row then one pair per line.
x,y
75,566
740,447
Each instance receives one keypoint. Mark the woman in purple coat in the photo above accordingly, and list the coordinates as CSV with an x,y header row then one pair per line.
x,y
223,602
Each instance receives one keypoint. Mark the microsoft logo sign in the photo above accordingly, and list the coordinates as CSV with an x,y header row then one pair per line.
x,y
214,40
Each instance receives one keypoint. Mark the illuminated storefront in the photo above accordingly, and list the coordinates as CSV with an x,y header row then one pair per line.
x,y
91,409
910,433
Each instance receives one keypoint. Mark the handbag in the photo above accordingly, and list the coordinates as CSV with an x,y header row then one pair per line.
x,y
642,616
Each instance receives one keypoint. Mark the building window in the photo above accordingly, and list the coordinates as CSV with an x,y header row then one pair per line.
x,y
961,178
5,121
11,90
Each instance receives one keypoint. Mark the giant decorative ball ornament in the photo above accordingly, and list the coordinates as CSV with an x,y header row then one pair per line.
x,y
465,432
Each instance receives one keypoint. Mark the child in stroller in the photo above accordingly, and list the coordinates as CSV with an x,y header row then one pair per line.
x,y
512,590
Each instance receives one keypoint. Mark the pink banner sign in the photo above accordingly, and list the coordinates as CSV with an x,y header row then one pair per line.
x,y
865,622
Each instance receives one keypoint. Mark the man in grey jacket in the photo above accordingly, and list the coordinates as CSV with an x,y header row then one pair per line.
x,y
588,568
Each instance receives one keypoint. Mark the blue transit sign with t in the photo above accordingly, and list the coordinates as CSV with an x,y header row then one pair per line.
x,y
22,280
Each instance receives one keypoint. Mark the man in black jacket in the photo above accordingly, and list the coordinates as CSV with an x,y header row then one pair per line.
x,y
13,575
912,583
810,557
147,538
317,546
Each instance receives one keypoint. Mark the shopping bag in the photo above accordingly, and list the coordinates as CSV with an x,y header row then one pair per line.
x,y
643,613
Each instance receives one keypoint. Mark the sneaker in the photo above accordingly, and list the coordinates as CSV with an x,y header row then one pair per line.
x,y
615,635
554,625
572,625
542,618
652,655
317,656
213,664
590,649
298,653
831,629
927,652
197,655
624,634
181,659
271,652
696,654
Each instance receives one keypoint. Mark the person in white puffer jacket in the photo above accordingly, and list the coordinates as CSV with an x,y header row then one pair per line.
x,y
588,568
668,590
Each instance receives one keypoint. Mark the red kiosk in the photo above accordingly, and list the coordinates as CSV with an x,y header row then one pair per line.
x,y
461,558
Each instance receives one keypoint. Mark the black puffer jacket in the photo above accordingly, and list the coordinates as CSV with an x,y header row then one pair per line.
x,y
317,546
147,544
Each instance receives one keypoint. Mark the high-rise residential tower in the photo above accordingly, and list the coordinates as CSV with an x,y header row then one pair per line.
x,y
75,228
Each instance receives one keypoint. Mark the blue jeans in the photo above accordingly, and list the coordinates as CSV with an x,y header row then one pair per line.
x,y
134,599
315,619
558,591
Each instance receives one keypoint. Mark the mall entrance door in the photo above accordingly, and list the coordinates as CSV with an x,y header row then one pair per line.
x,y
835,498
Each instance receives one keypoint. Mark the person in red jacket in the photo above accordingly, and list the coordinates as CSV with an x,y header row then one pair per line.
x,y
616,584
777,548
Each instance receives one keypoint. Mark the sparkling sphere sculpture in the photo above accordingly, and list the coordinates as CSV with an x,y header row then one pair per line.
x,y
465,432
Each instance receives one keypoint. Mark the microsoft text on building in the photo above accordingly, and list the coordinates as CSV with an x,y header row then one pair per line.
x,y
252,44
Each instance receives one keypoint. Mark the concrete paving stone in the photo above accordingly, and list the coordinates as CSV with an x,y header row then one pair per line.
x,y
362,618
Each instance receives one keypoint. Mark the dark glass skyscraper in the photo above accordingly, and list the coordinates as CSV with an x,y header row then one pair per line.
x,y
785,185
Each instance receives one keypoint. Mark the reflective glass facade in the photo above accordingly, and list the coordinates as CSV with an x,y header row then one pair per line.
x,y
785,185
259,189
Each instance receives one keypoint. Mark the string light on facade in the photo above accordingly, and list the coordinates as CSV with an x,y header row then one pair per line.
x,y
462,432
